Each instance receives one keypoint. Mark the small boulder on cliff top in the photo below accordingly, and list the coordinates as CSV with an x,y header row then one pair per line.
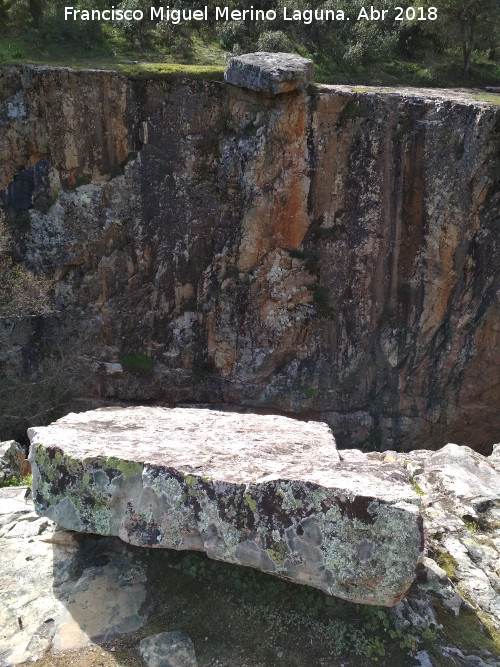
x,y
264,491
270,72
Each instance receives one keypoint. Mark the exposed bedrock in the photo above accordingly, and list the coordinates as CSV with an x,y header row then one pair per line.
x,y
331,255
268,492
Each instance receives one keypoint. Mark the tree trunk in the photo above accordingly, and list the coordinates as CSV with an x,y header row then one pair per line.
x,y
468,43
36,11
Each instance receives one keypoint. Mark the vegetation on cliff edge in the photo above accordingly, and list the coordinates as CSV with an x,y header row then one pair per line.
x,y
460,47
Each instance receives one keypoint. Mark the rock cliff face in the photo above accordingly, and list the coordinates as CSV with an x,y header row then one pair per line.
x,y
331,255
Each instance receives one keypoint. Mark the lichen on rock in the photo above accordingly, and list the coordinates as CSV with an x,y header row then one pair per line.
x,y
258,490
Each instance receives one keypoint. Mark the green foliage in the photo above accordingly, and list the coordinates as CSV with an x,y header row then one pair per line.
x,y
415,486
275,41
355,108
446,561
468,630
23,293
308,392
340,627
463,23
477,525
136,362
15,481
464,37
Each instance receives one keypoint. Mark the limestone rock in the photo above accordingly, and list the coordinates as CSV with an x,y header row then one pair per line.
x,y
57,592
270,72
263,491
461,514
461,475
168,649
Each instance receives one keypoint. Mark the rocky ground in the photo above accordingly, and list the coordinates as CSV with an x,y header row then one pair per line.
x,y
81,599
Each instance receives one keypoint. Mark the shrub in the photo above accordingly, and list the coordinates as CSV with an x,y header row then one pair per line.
x,y
136,363
275,41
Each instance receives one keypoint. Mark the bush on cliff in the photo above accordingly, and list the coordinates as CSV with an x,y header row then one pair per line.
x,y
22,292
457,43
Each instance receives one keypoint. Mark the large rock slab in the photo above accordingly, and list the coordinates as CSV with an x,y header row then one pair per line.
x,y
270,72
263,491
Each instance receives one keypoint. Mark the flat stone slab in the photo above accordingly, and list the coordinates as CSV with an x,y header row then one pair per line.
x,y
264,491
270,72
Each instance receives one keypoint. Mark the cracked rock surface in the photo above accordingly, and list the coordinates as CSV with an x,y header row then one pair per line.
x,y
460,494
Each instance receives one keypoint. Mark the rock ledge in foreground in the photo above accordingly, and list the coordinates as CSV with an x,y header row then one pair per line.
x,y
270,72
263,491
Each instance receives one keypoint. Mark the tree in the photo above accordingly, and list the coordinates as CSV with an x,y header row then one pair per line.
x,y
459,22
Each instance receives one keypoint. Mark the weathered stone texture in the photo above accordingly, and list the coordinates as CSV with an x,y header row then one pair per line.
x,y
461,512
78,589
331,255
263,491
12,461
270,72
57,593
168,649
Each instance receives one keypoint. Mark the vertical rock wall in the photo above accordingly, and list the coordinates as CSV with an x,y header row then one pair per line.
x,y
334,255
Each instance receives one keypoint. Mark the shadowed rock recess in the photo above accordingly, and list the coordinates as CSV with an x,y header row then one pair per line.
x,y
263,491
332,255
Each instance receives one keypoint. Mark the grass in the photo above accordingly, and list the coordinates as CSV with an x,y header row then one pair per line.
x,y
439,70
204,58
447,562
466,631
171,71
15,481
136,362
415,486
491,98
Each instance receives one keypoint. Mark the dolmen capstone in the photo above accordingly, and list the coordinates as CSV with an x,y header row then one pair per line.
x,y
264,491
274,73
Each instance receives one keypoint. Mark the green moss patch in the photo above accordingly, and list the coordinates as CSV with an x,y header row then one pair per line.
x,y
137,363
171,72
446,562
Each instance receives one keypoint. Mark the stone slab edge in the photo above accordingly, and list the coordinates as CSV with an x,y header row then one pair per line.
x,y
354,547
